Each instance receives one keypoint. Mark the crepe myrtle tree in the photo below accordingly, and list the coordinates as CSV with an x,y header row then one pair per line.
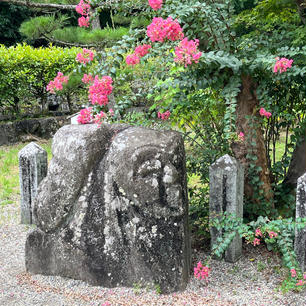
x,y
204,46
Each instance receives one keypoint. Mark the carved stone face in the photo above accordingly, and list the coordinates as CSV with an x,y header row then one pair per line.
x,y
144,171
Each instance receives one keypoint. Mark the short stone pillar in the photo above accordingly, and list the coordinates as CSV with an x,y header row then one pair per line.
x,y
226,178
300,235
33,166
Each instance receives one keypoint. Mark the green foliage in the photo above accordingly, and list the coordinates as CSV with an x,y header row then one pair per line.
x,y
105,37
42,26
11,16
277,234
26,71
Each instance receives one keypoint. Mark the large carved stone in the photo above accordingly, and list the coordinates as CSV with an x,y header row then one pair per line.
x,y
113,208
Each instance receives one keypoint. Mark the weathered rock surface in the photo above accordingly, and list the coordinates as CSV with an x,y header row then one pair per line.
x,y
33,165
297,165
300,235
113,208
226,181
12,132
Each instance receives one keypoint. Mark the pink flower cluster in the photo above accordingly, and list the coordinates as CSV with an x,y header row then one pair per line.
x,y
264,113
293,273
258,232
282,65
85,116
256,241
272,234
83,8
161,29
83,22
100,117
155,4
201,272
302,282
132,59
241,136
163,116
85,56
100,89
187,52
140,51
57,83
87,78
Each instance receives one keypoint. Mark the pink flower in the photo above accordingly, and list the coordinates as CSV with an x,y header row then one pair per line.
x,y
161,29
304,276
258,232
83,8
57,83
87,78
163,116
300,283
132,59
142,50
100,89
155,4
85,116
272,235
187,52
85,56
99,118
282,65
106,304
241,136
111,112
293,273
201,272
83,22
256,242
263,112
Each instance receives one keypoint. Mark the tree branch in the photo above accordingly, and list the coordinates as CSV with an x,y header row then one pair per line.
x,y
106,4
40,5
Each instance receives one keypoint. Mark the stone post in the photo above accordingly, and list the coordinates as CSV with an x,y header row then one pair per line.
x,y
33,166
226,178
300,235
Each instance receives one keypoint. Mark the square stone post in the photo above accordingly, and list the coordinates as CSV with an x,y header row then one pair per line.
x,y
300,235
226,181
33,166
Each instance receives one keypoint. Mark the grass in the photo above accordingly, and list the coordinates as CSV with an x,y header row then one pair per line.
x,y
9,172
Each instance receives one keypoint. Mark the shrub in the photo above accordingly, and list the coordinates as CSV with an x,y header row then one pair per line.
x,y
26,71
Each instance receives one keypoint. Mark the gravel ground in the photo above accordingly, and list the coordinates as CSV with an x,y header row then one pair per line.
x,y
253,280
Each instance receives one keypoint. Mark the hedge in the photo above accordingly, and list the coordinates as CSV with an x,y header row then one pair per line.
x,y
25,72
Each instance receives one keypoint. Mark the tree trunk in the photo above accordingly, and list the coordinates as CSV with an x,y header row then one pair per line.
x,y
301,5
95,23
247,106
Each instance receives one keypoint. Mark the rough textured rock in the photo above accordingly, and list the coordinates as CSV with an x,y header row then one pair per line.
x,y
300,235
226,178
297,165
113,209
42,127
33,165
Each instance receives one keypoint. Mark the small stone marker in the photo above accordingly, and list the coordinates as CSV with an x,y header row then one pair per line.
x,y
33,166
226,178
300,235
